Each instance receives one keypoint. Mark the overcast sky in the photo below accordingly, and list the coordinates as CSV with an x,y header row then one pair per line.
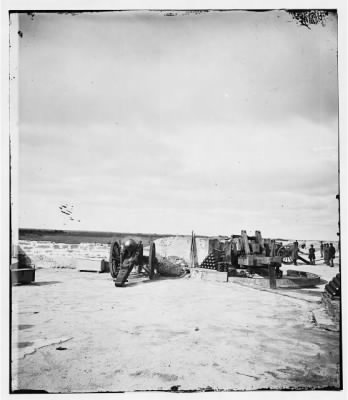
x,y
214,122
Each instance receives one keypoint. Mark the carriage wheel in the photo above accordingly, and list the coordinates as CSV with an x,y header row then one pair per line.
x,y
115,259
286,255
287,260
152,260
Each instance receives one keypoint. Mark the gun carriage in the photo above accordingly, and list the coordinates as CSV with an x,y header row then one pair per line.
x,y
124,256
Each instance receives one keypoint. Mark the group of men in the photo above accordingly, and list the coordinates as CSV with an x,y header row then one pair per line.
x,y
327,252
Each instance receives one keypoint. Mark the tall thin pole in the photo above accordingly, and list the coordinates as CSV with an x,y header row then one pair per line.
x,y
193,252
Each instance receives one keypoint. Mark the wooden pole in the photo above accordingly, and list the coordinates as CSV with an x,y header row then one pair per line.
x,y
193,252
245,242
272,277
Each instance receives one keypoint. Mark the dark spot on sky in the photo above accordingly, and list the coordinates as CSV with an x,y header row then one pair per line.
x,y
67,209
20,34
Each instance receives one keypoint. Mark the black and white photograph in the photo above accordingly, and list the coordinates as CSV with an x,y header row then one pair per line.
x,y
175,201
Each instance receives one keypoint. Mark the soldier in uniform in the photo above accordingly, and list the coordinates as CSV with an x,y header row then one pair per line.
x,y
295,252
326,254
312,255
332,252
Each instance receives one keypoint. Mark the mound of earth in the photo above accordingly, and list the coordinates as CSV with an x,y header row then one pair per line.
x,y
171,266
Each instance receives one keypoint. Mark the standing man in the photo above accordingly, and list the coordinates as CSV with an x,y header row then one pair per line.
x,y
326,254
312,255
321,249
295,252
332,252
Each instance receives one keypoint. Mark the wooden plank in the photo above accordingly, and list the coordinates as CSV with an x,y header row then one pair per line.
x,y
256,248
245,242
258,237
263,260
228,252
247,260
272,277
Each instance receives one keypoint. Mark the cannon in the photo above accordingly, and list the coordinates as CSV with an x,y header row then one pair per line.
x,y
286,254
242,252
127,255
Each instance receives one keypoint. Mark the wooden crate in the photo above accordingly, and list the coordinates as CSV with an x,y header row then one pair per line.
x,y
22,275
90,265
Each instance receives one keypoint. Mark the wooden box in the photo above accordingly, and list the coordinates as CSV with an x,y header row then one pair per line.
x,y
22,275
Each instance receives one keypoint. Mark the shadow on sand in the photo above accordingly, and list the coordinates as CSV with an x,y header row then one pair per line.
x,y
44,283
310,291
139,281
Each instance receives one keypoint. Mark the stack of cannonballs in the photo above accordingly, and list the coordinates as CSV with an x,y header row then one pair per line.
x,y
211,261
333,288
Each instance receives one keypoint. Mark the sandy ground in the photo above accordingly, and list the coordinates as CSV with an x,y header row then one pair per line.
x,y
75,332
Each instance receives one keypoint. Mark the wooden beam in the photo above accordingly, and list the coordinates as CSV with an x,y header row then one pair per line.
x,y
272,277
